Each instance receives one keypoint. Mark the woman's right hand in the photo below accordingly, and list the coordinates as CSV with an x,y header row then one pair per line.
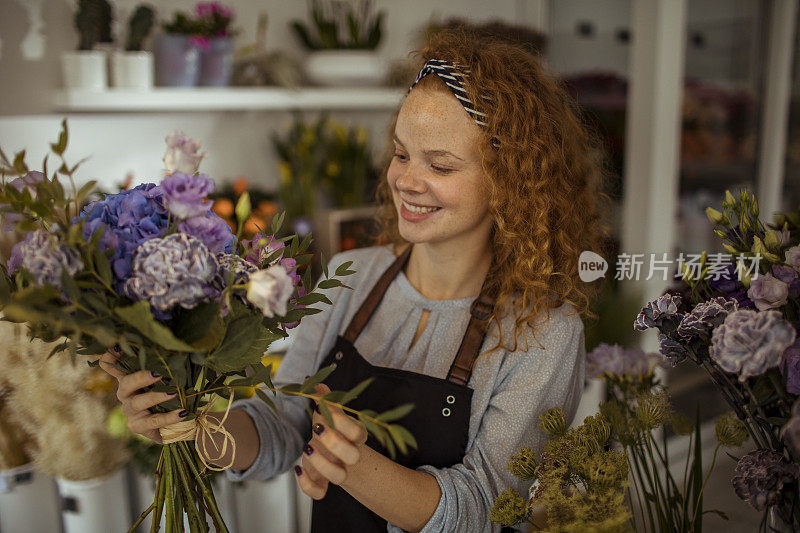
x,y
136,402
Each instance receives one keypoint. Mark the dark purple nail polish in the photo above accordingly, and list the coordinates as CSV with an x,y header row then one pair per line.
x,y
316,408
308,449
172,393
183,413
297,470
155,374
307,377
318,428
116,348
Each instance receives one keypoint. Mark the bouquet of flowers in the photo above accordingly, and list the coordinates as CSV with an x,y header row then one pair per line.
x,y
740,323
154,272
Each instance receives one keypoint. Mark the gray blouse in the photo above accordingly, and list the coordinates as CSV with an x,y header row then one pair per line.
x,y
511,389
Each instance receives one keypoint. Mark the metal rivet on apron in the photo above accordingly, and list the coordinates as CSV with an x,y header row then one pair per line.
x,y
451,399
338,355
445,412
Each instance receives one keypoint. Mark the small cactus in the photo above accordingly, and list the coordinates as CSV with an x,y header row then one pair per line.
x,y
93,22
139,27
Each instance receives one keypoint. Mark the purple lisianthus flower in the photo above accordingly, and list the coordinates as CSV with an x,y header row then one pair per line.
x,y
215,233
262,247
706,316
760,477
768,292
185,196
789,276
656,312
270,290
290,264
41,255
177,270
183,154
750,342
741,297
792,257
129,218
790,367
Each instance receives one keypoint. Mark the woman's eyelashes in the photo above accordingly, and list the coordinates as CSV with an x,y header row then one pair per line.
x,y
436,168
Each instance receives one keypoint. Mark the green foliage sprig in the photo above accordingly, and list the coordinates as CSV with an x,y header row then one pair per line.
x,y
340,25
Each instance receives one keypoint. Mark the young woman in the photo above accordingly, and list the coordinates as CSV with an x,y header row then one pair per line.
x,y
471,311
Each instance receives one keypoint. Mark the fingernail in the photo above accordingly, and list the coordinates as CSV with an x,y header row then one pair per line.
x,y
297,470
183,413
155,374
307,377
116,348
318,428
172,393
308,449
316,408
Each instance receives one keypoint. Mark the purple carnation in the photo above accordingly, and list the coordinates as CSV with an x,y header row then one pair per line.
x,y
44,258
672,349
655,313
760,477
185,195
792,256
751,342
215,233
706,316
177,270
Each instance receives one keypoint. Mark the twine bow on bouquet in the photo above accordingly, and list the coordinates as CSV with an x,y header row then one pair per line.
x,y
156,272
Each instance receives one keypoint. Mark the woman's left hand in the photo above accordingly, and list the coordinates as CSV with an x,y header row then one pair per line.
x,y
332,451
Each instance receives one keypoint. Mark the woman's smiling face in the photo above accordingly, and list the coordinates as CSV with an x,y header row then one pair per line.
x,y
437,182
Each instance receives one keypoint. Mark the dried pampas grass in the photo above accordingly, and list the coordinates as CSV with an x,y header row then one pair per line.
x,y
63,406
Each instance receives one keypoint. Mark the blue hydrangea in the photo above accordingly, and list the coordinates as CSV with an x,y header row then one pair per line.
x,y
130,218
41,255
177,270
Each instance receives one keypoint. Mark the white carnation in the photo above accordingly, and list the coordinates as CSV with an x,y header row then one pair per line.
x,y
270,290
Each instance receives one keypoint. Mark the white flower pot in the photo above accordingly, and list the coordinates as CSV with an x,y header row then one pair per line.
x,y
95,505
85,70
28,501
223,492
345,68
132,70
267,506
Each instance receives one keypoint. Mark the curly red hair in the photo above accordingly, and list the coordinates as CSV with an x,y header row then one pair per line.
x,y
545,178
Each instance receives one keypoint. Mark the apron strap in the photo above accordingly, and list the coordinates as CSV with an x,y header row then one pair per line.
x,y
375,296
480,312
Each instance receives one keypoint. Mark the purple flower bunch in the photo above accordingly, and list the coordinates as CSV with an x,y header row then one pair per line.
x,y
618,361
27,182
728,283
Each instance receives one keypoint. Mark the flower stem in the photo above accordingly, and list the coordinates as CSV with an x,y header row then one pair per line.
x,y
191,510
219,523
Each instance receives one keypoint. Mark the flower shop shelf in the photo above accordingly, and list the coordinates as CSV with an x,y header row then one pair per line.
x,y
228,99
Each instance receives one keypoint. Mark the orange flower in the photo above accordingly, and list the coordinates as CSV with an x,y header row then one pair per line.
x,y
252,225
223,207
240,185
267,209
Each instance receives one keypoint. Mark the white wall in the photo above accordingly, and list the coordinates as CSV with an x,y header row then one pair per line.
x,y
238,142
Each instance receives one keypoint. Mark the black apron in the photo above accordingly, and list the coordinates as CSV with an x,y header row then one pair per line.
x,y
439,420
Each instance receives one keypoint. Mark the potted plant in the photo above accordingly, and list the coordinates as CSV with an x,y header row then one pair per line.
x,y
85,68
343,43
132,68
177,52
216,45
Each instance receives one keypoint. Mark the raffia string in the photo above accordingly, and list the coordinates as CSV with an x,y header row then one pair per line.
x,y
188,430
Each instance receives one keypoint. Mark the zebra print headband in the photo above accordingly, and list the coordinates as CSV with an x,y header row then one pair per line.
x,y
453,77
